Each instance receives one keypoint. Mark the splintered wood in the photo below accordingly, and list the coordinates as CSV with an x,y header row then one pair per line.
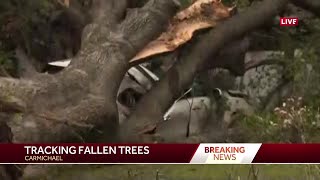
x,y
200,15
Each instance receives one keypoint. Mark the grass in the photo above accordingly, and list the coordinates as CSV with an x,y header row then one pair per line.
x,y
181,172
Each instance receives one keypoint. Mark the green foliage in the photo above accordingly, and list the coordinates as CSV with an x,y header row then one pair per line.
x,y
261,128
179,172
292,122
305,71
22,21
29,11
6,61
185,3
302,59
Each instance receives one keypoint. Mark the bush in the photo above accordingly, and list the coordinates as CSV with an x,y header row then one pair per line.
x,y
293,122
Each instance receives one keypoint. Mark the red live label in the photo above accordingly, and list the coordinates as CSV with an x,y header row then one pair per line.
x,y
289,21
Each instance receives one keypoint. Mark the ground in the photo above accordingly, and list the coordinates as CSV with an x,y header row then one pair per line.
x,y
180,172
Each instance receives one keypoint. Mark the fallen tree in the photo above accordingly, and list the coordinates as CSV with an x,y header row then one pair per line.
x,y
78,104
77,97
148,112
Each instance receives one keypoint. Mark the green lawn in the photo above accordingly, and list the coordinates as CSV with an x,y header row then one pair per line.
x,y
182,172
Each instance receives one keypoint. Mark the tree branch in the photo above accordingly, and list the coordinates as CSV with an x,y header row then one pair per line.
x,y
16,95
151,108
108,12
70,124
106,52
145,24
84,94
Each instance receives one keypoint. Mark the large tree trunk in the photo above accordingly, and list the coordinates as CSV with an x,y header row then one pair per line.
x,y
79,103
82,98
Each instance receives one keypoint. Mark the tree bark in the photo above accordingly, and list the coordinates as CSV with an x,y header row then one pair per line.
x,y
81,99
79,103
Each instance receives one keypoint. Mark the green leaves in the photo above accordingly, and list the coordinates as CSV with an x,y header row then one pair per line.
x,y
6,61
185,3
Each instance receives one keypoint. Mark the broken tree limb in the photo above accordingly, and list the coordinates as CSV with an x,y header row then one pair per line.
x,y
200,15
154,104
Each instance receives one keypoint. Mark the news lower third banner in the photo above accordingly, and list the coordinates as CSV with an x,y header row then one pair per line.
x,y
159,153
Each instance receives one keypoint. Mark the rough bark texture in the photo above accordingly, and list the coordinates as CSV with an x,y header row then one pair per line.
x,y
82,98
